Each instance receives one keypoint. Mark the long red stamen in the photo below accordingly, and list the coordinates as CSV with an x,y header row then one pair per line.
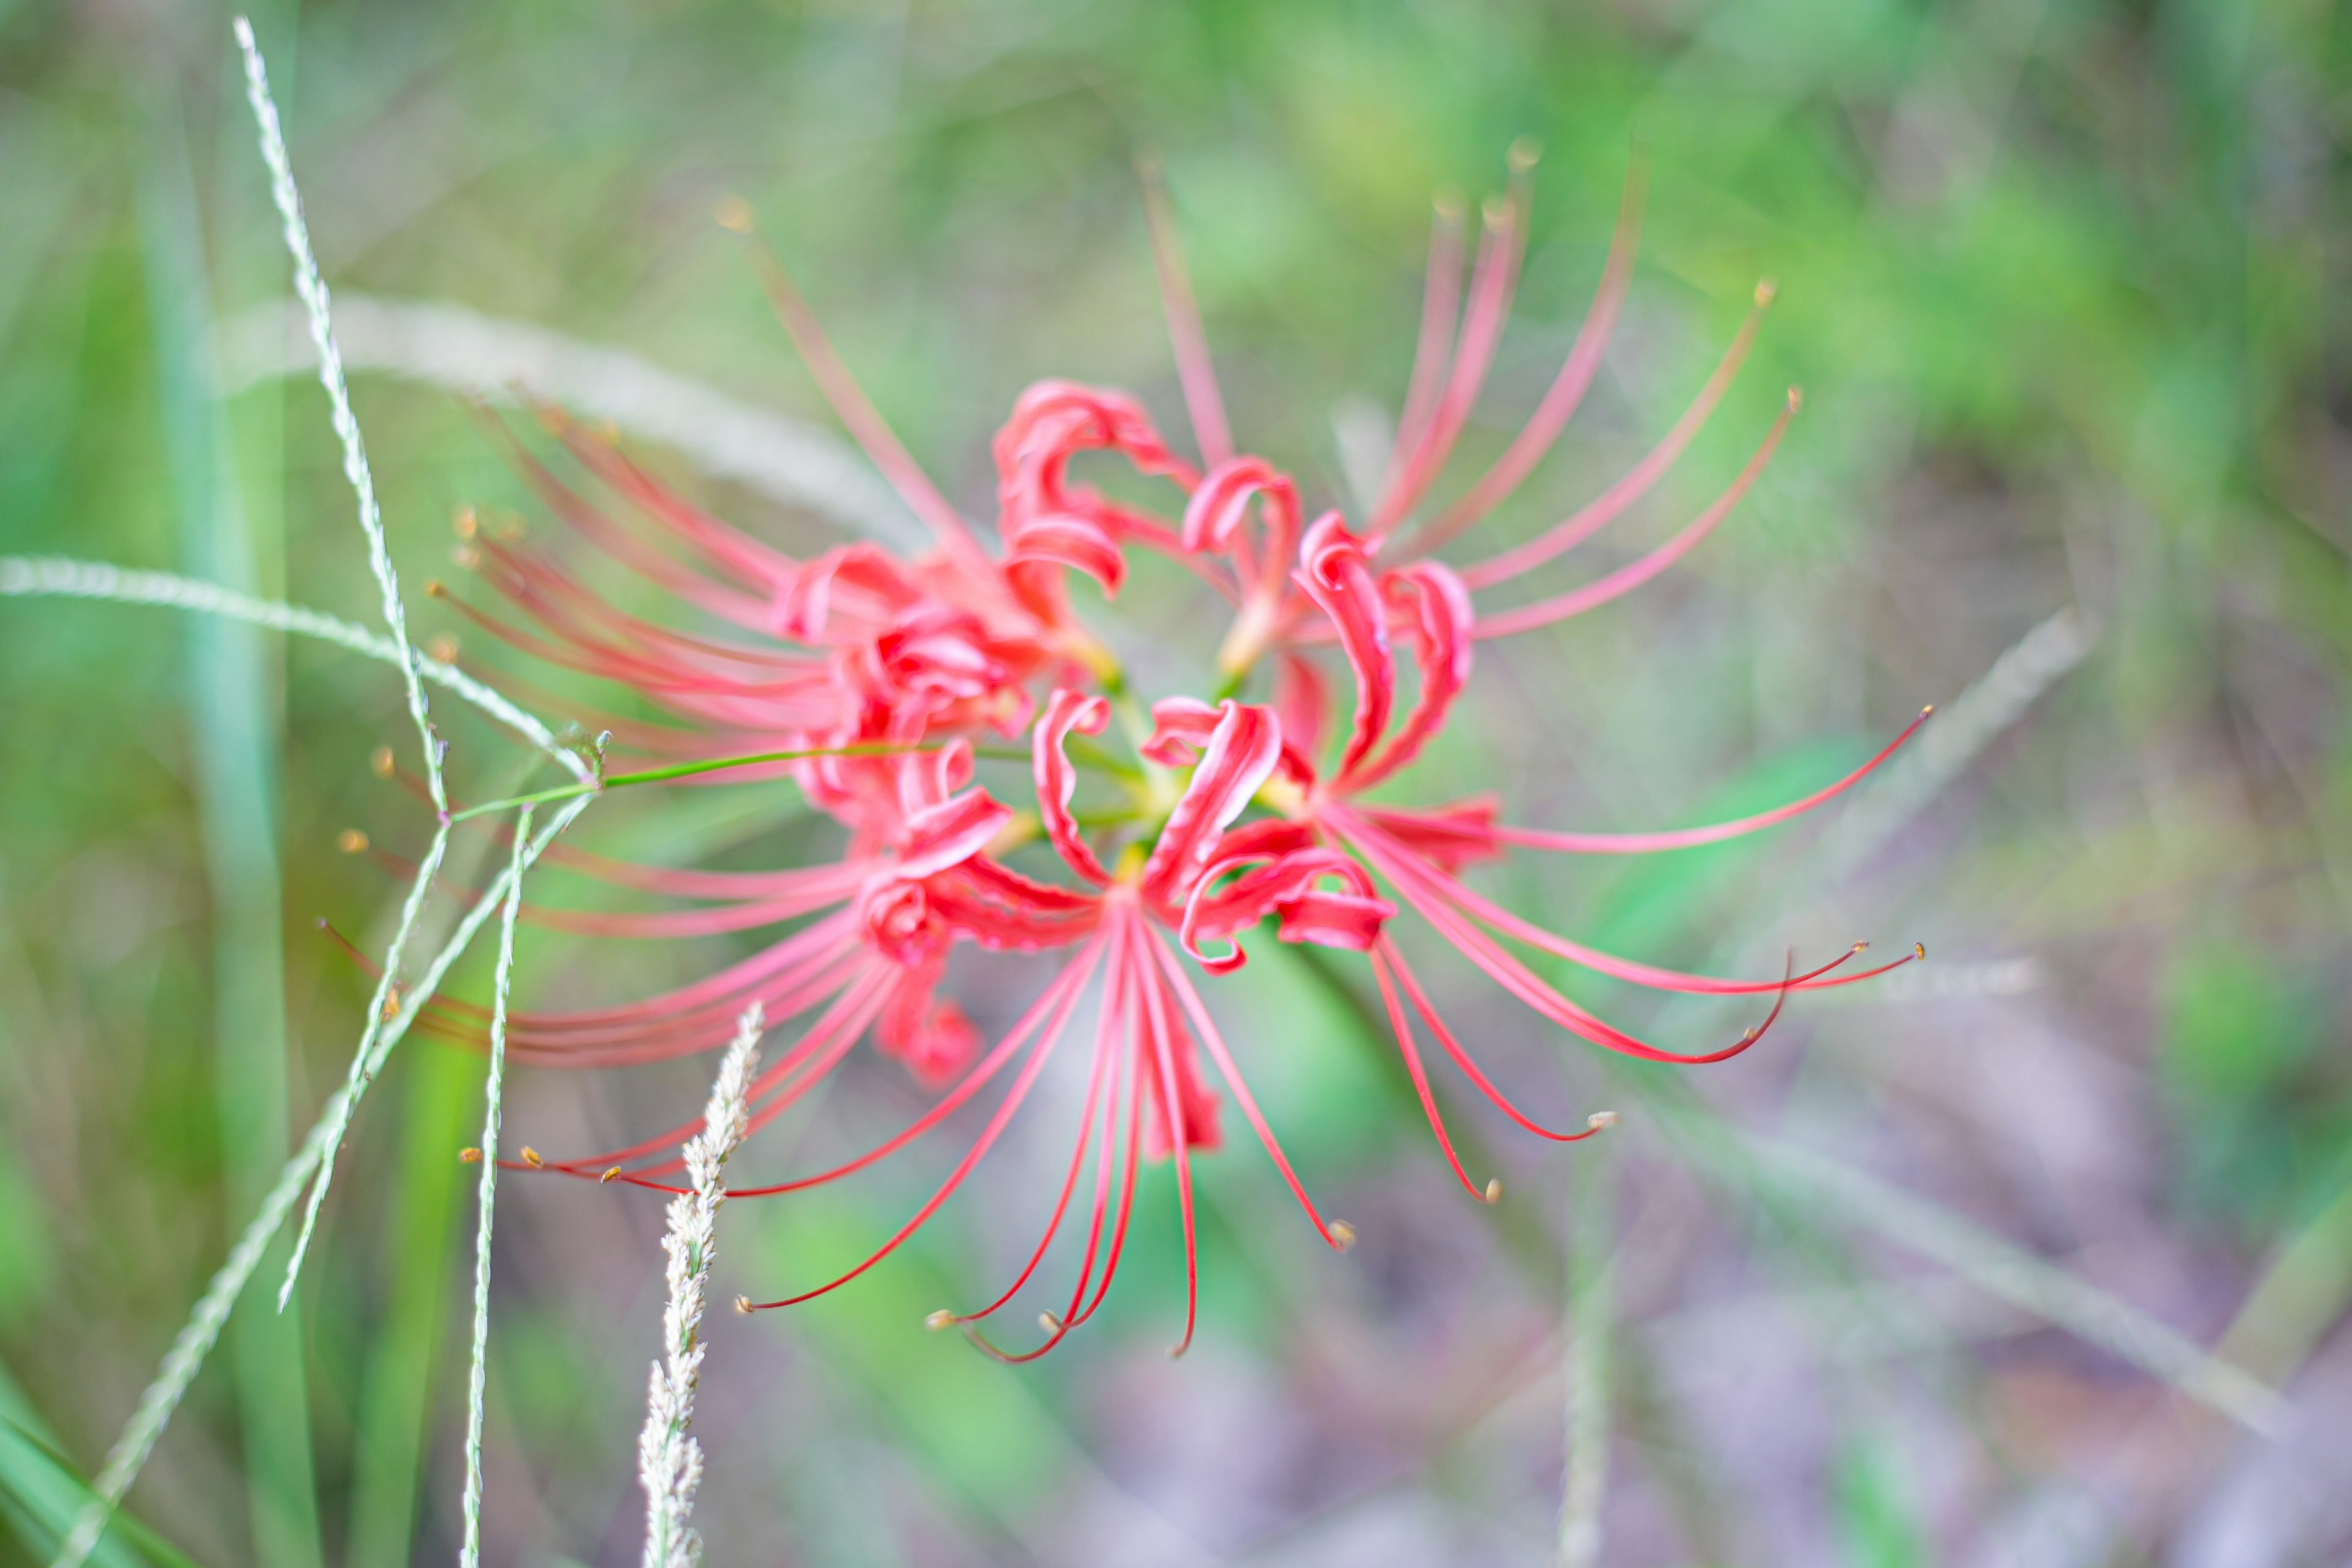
x,y
1338,1236
1091,1102
1171,1107
1412,1054
1491,284
1522,982
1634,574
1111,1049
1013,1097
1421,883
1691,838
1636,482
1441,304
1056,1005
750,565
1566,390
1193,368
1131,1160
849,401
1470,1070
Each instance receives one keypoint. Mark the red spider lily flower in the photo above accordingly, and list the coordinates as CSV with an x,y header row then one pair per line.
x,y
1236,813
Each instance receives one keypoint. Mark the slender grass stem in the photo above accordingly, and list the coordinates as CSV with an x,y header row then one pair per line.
x,y
493,1104
195,1340
58,576
1591,1311
379,1006
315,308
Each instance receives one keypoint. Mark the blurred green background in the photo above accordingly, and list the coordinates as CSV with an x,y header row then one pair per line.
x,y
1931,1278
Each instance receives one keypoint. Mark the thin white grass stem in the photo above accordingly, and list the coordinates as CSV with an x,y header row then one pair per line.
x,y
187,1354
58,576
313,291
1978,717
669,1460
387,986
433,343
2048,1292
493,1104
1591,1310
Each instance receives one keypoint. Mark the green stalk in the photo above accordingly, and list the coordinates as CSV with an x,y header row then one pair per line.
x,y
713,765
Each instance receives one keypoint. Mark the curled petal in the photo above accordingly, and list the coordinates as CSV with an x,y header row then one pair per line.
x,y
1213,518
935,1038
1436,605
900,921
1180,727
1057,780
1301,699
1065,539
1337,575
1239,757
950,833
1044,518
1268,838
1322,918
1284,886
856,582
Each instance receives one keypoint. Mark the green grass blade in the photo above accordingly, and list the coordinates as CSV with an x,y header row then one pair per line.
x,y
237,740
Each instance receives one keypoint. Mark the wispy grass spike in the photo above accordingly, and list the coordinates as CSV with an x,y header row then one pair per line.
x,y
493,1106
195,1340
313,291
2000,1268
63,577
669,1461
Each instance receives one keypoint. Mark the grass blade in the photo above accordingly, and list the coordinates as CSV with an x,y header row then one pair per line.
x,y
236,740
